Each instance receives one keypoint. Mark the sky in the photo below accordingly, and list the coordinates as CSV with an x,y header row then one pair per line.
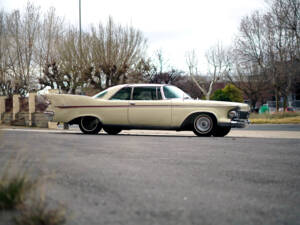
x,y
172,26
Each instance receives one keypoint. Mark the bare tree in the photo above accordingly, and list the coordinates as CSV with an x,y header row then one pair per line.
x,y
67,70
161,72
249,78
40,47
265,41
74,62
5,82
285,22
142,71
115,51
218,65
49,34
22,33
287,13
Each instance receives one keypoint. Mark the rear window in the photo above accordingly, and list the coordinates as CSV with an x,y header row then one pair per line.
x,y
123,94
101,94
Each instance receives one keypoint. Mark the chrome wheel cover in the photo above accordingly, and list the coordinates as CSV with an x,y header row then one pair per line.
x,y
203,124
89,123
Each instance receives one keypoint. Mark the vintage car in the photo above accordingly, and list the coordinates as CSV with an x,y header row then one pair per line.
x,y
147,106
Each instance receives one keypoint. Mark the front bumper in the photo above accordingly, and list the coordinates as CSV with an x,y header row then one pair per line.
x,y
236,124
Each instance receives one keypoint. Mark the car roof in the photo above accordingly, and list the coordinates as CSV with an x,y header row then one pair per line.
x,y
144,85
116,88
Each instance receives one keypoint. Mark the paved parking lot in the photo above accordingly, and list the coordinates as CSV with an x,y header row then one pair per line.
x,y
290,131
166,178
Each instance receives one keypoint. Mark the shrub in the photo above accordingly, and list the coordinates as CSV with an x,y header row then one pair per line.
x,y
220,95
234,94
229,93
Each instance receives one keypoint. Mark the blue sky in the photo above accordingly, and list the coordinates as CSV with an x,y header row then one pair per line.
x,y
174,26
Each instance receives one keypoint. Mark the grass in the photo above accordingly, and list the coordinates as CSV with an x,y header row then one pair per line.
x,y
276,118
15,184
12,192
38,212
22,195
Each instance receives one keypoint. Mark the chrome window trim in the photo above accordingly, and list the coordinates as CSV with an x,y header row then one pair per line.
x,y
131,94
162,92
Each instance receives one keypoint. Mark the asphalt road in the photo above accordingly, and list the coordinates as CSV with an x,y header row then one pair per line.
x,y
148,179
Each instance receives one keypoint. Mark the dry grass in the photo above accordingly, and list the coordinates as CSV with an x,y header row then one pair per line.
x,y
15,183
13,191
276,118
24,196
36,211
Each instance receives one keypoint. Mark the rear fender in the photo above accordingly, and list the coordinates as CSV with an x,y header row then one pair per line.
x,y
76,120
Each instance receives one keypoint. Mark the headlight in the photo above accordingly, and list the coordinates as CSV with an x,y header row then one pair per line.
x,y
232,114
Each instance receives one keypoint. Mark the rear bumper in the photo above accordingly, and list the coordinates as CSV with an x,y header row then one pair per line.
x,y
236,124
50,115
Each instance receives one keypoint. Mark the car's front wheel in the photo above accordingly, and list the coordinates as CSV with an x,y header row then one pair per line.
x,y
112,130
90,125
203,125
221,131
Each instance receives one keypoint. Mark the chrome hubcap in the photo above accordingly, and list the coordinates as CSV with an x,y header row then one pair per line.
x,y
203,124
89,123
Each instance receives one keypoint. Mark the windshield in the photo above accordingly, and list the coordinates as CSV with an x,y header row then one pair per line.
x,y
175,92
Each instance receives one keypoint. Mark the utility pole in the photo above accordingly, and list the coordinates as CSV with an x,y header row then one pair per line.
x,y
80,42
80,45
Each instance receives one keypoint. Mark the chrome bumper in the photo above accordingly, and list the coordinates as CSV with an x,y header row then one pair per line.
x,y
50,115
236,124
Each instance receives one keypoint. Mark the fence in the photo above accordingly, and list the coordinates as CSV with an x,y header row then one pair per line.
x,y
24,111
272,105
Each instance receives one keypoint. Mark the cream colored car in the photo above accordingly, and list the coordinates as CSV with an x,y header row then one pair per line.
x,y
147,106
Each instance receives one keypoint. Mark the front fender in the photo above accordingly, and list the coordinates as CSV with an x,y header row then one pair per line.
x,y
187,123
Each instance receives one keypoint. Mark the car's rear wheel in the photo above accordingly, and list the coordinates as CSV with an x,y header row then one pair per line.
x,y
112,130
90,125
221,131
204,125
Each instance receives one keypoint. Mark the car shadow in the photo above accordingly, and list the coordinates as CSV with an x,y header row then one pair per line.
x,y
142,135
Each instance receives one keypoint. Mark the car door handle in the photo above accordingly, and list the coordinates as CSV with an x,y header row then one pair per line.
x,y
132,103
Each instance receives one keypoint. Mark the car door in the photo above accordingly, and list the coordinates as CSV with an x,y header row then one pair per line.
x,y
115,110
147,108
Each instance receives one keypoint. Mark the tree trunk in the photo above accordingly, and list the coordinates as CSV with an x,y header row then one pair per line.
x,y
277,99
207,96
253,104
285,102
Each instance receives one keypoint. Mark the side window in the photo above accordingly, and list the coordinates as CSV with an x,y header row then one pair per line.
x,y
144,93
123,94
